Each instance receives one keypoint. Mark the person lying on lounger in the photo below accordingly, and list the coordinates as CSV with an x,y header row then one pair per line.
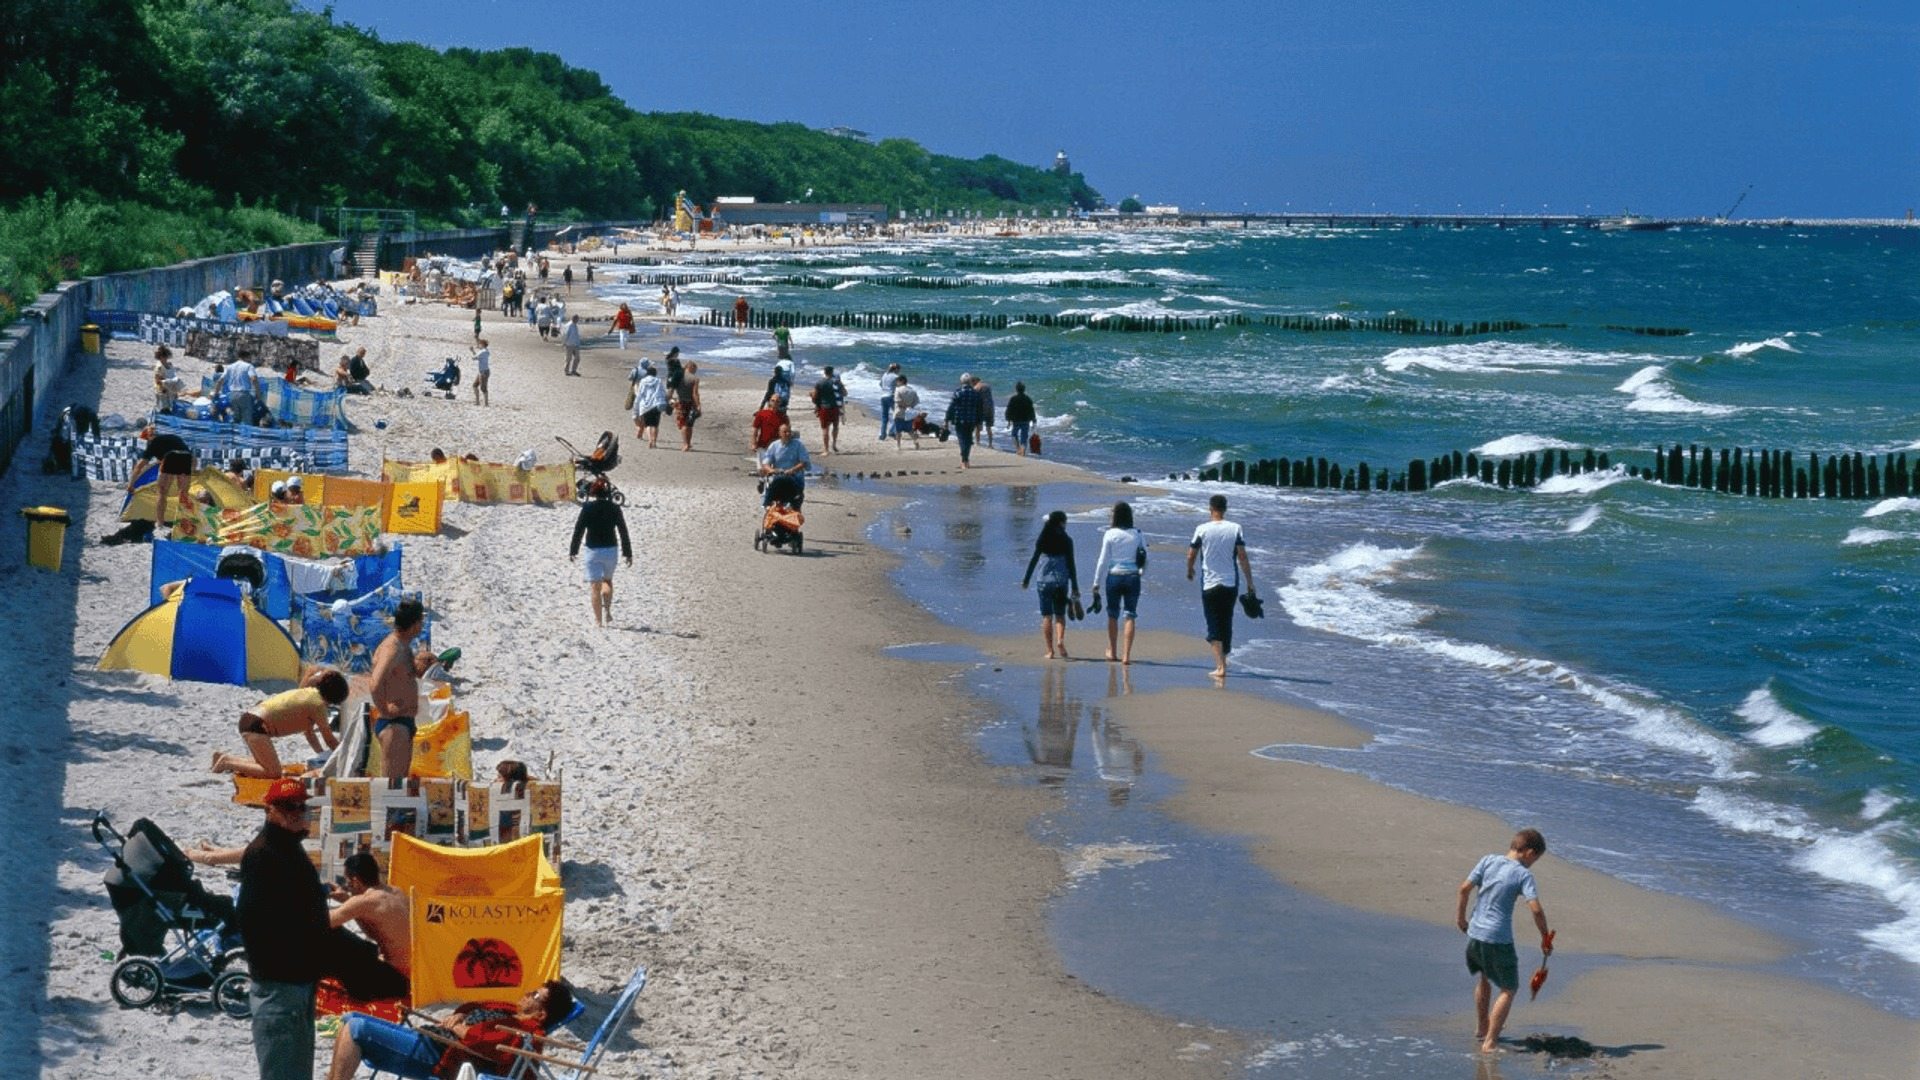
x,y
475,1032
296,712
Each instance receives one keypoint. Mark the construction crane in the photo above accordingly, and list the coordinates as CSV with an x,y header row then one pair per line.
x,y
1737,202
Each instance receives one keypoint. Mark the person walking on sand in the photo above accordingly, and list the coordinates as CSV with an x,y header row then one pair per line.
x,y
686,404
301,711
827,403
963,417
1123,561
570,340
1058,582
889,379
282,918
395,689
649,401
600,522
1020,417
766,424
1222,553
782,342
1502,880
622,324
482,368
905,400
566,276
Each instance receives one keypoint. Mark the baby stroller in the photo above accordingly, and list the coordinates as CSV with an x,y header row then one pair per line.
x,y
603,459
447,377
781,522
176,938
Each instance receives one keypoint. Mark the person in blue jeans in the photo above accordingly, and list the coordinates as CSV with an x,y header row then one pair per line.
x,y
1123,559
1502,881
1058,583
964,416
888,380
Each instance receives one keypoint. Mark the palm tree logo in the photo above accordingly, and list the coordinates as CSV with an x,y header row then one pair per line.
x,y
486,962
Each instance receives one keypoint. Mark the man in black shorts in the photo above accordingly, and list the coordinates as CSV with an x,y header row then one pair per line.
x,y
396,690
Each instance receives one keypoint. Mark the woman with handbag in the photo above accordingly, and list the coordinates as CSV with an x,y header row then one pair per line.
x,y
1123,560
1058,582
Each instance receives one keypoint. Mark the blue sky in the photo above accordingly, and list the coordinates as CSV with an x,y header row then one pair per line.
x,y
1666,108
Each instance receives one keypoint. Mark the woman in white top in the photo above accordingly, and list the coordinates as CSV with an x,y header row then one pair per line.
x,y
482,368
1122,561
905,400
649,400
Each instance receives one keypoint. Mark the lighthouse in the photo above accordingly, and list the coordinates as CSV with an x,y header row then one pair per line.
x,y
1061,166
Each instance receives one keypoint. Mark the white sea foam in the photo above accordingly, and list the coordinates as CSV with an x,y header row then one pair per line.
x,y
1772,723
1892,506
1339,595
1499,357
1584,522
1748,348
1862,860
1868,537
1652,393
1875,804
1509,445
1582,483
1167,273
1139,309
1538,270
1049,277
854,284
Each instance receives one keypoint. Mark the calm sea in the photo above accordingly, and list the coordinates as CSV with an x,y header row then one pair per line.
x,y
1710,695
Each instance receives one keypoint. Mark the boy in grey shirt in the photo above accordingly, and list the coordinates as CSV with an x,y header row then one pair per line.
x,y
1502,880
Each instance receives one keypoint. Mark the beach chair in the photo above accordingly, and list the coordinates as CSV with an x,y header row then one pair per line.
x,y
546,1064
523,1066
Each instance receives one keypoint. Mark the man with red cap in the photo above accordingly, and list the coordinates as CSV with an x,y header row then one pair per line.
x,y
283,921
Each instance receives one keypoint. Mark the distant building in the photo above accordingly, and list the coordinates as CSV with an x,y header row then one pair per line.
x,y
845,132
734,200
760,213
1162,208
1061,166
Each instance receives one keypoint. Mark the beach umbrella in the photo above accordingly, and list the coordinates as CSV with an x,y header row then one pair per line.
x,y
206,631
1540,977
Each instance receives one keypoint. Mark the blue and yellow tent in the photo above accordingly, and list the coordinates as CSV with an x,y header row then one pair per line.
x,y
206,632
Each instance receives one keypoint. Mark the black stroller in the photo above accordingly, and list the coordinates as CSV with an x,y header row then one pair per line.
x,y
603,460
781,522
447,377
176,938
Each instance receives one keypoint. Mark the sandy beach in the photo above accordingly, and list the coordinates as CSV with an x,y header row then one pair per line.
x,y
792,828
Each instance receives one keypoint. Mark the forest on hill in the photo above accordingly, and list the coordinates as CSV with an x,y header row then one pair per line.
x,y
141,132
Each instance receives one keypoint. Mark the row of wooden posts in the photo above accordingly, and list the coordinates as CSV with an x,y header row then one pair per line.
x,y
1737,471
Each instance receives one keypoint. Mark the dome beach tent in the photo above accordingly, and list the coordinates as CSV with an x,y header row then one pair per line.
x,y
207,631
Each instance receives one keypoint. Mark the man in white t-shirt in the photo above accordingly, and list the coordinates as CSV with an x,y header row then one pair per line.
x,y
242,381
1222,554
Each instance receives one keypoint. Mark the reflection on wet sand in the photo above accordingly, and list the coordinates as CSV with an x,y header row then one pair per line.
x,y
1120,759
1050,740
1052,735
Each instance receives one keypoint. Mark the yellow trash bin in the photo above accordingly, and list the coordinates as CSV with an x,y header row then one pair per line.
x,y
90,338
46,535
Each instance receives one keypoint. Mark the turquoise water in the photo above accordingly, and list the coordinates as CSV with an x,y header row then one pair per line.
x,y
1710,695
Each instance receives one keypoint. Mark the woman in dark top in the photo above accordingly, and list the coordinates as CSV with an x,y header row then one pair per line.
x,y
1020,417
600,522
1058,582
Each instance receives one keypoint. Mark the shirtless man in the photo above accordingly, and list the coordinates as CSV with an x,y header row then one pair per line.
x,y
380,911
396,690
296,712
